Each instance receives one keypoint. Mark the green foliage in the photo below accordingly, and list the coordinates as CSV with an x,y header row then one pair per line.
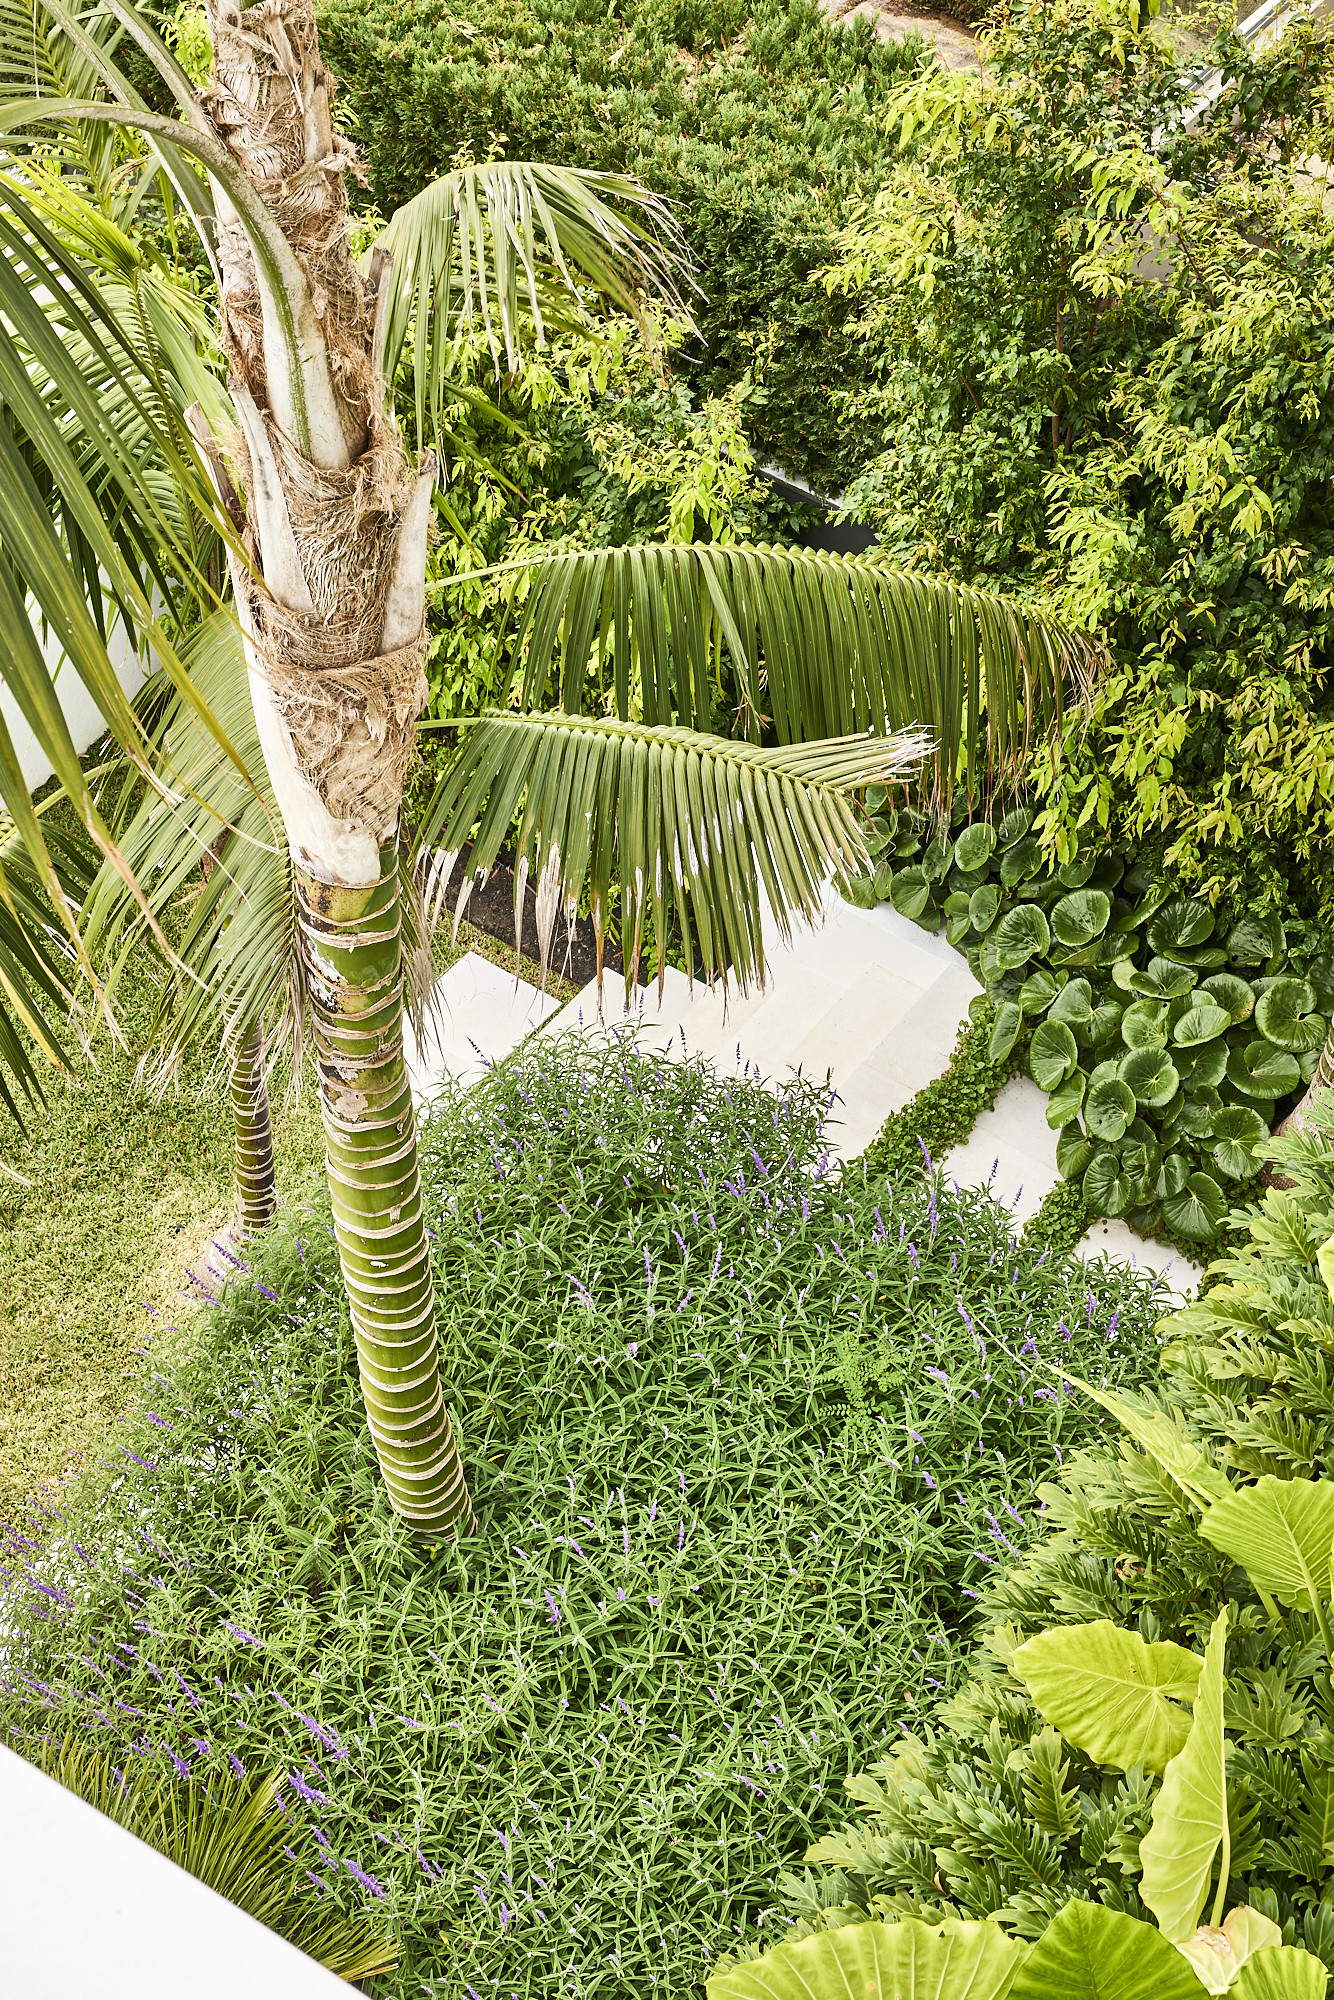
x,y
1109,1694
1062,1218
714,1558
1169,1045
1086,1951
760,121
1189,1821
1103,366
242,1837
944,1111
1149,1536
948,1960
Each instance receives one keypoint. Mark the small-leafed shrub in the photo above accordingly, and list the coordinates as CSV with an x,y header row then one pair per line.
x,y
760,120
742,1454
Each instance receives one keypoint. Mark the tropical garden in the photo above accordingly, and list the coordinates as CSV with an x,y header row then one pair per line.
x,y
566,1503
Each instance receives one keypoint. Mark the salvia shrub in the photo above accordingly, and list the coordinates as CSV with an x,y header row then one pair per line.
x,y
760,120
742,1454
1207,1524
1169,1042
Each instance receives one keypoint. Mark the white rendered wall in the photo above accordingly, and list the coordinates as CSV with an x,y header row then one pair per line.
x,y
80,710
87,1912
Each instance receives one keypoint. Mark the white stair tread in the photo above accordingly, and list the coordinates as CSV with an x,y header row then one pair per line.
x,y
479,1013
1108,1238
1011,1149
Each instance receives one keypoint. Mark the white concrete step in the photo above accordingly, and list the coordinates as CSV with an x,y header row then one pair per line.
x,y
1011,1149
479,1012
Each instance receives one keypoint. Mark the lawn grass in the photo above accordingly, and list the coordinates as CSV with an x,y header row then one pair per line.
x,y
125,1191
743,1436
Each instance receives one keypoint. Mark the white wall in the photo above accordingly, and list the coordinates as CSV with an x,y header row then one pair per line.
x,y
80,710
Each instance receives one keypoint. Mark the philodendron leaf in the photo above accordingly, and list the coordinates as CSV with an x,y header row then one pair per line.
x,y
1218,1955
1281,1972
1089,1952
1189,1818
1110,1694
930,1961
1153,1431
1280,1531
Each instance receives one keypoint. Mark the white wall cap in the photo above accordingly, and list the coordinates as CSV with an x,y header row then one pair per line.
x,y
86,1909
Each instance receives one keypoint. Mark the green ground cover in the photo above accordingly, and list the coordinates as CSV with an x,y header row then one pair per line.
x,y
745,1438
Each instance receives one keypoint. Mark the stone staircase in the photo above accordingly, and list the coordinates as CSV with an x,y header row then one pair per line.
x,y
868,1000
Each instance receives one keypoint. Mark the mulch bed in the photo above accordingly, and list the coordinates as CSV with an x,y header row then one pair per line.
x,y
491,909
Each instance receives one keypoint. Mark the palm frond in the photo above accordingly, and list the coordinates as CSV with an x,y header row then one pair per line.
x,y
237,1835
687,823
819,645
211,831
35,973
514,239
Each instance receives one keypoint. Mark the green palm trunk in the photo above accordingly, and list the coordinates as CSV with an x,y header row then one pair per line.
x,y
256,1195
352,946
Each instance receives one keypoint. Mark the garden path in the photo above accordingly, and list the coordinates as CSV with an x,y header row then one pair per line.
x,y
868,999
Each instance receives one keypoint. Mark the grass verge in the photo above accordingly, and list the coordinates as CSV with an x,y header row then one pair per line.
x,y
125,1191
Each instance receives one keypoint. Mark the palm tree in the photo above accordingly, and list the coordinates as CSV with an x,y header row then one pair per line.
x,y
324,520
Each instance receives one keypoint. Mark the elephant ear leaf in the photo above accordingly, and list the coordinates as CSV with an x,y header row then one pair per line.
x,y
1097,1954
1324,1258
1280,1531
1280,1972
1190,1812
1111,1695
900,1958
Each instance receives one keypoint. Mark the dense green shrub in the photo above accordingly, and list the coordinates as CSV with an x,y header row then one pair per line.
x,y
758,119
1101,370
1169,1044
740,1454
991,1812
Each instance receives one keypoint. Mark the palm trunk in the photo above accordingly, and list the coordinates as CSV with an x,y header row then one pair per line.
x,y
353,949
332,613
256,1195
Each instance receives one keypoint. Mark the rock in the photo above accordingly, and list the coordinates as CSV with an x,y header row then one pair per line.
x,y
954,45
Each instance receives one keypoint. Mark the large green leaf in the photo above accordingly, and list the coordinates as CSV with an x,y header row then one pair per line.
x,y
1180,925
692,818
1284,1014
1088,1952
1154,1432
1189,1822
907,1960
1052,1054
1110,1694
1080,917
1198,1210
1151,1075
1280,1972
820,645
1255,939
1280,1531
